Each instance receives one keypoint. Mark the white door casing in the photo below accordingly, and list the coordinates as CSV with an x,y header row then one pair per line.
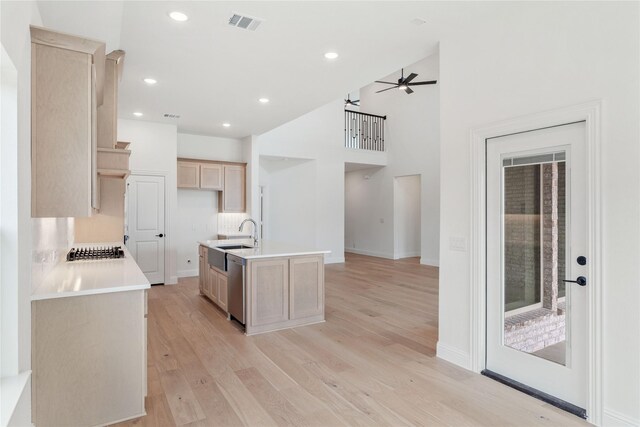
x,y
591,113
146,224
565,381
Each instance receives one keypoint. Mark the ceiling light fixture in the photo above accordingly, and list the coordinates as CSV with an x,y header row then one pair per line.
x,y
264,100
150,81
403,87
331,55
138,114
178,16
226,125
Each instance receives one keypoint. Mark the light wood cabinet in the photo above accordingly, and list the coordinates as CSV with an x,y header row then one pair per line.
x,y
211,176
222,291
67,75
213,284
230,178
269,291
306,290
233,194
202,268
284,292
108,111
89,359
188,175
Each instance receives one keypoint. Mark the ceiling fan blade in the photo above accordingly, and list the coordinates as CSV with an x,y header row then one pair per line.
x,y
408,90
388,83
356,100
430,82
410,77
389,88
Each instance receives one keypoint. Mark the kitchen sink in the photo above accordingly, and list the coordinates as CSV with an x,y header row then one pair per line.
x,y
233,247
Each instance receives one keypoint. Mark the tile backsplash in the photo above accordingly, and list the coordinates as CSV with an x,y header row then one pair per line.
x,y
229,222
51,239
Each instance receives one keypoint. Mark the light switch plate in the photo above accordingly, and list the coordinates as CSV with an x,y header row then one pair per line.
x,y
458,244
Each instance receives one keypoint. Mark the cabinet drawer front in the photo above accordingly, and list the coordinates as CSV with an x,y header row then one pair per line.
x,y
306,287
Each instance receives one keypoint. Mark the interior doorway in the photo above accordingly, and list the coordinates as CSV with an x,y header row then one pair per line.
x,y
407,216
145,226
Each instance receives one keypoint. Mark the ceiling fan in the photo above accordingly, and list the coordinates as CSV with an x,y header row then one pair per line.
x,y
348,101
405,83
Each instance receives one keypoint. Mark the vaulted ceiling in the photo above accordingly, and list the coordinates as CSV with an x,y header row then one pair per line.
x,y
209,72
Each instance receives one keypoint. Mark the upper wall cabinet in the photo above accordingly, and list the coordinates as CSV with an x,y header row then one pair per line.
x,y
217,176
211,177
108,111
233,195
67,86
188,175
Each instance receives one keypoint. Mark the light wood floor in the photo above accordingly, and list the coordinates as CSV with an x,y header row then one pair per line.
x,y
372,363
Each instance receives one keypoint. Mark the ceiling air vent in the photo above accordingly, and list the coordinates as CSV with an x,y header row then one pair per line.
x,y
245,22
172,116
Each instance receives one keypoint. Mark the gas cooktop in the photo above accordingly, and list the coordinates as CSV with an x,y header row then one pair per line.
x,y
100,252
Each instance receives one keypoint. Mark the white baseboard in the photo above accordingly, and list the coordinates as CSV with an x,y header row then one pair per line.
x,y
453,355
611,418
173,280
187,273
334,260
430,262
369,253
407,255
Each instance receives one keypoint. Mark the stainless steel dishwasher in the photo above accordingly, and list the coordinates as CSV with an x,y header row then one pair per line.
x,y
235,279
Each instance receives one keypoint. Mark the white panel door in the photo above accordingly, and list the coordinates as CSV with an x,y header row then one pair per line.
x,y
536,264
145,224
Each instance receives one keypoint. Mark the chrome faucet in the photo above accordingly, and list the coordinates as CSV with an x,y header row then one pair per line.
x,y
255,231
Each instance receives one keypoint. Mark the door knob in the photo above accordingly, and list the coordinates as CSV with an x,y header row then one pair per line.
x,y
581,280
160,235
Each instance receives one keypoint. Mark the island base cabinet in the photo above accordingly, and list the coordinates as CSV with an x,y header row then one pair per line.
x,y
89,359
306,287
284,292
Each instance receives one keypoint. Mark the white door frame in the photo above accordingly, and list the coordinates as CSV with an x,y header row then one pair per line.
x,y
168,233
590,112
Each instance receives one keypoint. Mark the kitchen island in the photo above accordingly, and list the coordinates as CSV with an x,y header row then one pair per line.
x,y
267,287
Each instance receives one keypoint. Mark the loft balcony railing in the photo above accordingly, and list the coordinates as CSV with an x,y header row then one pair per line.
x,y
363,131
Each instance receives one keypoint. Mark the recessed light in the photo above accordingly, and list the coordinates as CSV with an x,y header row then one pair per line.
x,y
226,125
331,55
138,114
264,100
178,16
150,81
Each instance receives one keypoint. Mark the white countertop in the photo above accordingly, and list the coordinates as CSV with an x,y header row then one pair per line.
x,y
235,234
265,249
90,277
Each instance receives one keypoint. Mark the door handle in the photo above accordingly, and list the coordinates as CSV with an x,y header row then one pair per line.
x,y
160,235
581,280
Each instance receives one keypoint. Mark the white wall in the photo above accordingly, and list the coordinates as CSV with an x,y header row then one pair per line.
x,y
209,148
317,136
545,56
406,215
291,208
17,245
197,212
412,138
154,151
